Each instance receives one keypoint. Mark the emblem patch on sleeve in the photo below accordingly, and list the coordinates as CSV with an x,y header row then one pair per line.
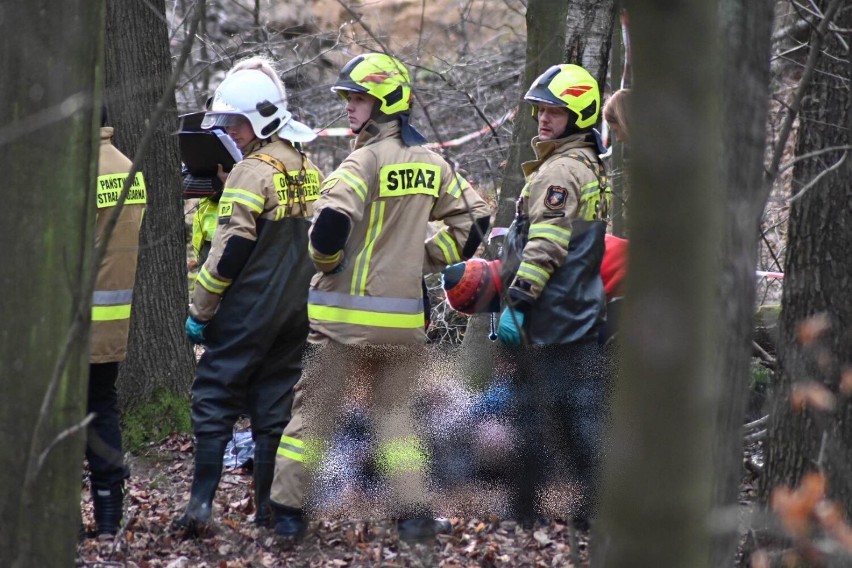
x,y
555,197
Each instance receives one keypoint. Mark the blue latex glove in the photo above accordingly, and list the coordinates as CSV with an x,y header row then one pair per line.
x,y
195,330
509,330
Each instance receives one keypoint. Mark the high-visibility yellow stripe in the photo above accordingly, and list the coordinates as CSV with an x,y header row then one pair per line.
x,y
384,304
291,455
321,258
362,261
353,181
448,246
591,187
550,233
109,188
362,317
295,442
535,273
110,313
247,198
457,185
211,284
401,455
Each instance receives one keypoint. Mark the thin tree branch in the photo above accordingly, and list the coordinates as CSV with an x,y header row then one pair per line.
x,y
809,155
818,177
804,83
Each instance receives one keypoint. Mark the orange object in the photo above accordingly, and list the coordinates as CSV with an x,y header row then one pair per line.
x,y
473,286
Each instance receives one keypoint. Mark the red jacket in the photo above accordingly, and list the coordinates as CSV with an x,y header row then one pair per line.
x,y
614,266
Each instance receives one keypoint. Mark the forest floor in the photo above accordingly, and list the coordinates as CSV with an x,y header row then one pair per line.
x,y
158,491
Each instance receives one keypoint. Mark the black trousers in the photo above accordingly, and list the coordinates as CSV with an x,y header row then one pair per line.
x,y
232,380
103,435
562,397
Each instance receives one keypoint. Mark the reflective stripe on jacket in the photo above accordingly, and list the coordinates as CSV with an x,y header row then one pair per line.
x,y
390,193
113,293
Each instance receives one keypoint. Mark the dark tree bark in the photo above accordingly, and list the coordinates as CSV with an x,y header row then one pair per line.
x,y
50,87
657,493
746,29
138,66
817,279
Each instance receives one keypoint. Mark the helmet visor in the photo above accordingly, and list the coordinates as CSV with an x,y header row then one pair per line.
x,y
222,120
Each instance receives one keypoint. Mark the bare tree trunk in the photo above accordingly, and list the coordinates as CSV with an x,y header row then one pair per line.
x,y
817,275
589,38
138,65
48,143
746,29
658,486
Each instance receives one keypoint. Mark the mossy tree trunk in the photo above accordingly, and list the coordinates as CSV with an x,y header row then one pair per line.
x,y
51,73
658,486
138,66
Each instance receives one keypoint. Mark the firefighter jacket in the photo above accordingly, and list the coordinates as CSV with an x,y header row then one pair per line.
x,y
274,181
557,240
204,226
113,294
389,192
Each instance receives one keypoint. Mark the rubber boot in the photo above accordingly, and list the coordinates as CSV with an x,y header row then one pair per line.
x,y
417,526
109,502
209,457
290,524
265,450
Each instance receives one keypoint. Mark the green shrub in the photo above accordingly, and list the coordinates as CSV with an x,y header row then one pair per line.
x,y
154,419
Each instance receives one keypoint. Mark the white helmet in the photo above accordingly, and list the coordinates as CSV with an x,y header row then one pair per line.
x,y
252,94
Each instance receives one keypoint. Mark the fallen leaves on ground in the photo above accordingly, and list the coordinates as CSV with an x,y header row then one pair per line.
x,y
158,491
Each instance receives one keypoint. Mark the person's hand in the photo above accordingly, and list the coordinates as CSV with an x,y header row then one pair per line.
x,y
509,330
195,329
221,173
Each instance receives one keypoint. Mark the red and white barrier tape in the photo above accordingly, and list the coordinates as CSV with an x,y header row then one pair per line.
x,y
337,132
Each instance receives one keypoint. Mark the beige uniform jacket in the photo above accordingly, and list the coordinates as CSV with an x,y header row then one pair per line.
x,y
560,188
390,192
255,192
113,294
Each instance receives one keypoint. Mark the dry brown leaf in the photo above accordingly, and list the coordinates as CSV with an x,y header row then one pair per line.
x,y
542,538
811,329
796,507
846,381
831,516
811,394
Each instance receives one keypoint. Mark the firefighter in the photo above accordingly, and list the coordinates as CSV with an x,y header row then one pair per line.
x,y
249,304
111,305
554,304
368,242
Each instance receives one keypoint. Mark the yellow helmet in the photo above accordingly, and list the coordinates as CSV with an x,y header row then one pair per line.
x,y
571,87
380,75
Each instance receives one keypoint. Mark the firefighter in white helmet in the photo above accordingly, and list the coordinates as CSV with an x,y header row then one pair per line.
x,y
366,304
249,306
554,304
